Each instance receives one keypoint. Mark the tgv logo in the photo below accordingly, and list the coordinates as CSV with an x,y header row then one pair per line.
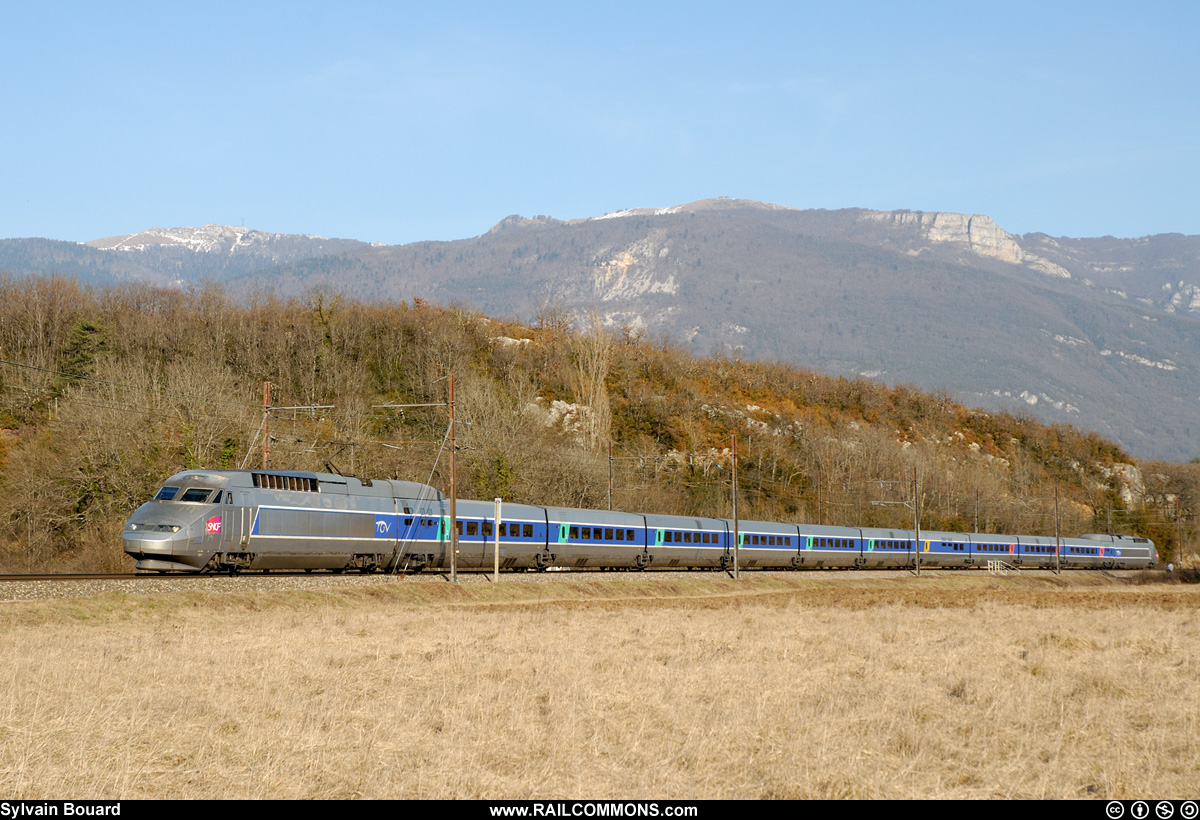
x,y
381,527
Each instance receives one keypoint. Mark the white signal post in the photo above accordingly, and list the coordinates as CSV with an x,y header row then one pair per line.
x,y
496,529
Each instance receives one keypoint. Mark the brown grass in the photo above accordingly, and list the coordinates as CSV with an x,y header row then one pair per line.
x,y
687,686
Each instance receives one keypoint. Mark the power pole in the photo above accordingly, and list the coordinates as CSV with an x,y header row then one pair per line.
x,y
1179,523
1057,541
266,459
736,563
610,476
453,493
818,498
917,520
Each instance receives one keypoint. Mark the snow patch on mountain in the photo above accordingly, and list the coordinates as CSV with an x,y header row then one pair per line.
x,y
206,239
1033,399
1166,364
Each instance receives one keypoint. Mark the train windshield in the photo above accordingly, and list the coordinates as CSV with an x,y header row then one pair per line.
x,y
166,494
196,495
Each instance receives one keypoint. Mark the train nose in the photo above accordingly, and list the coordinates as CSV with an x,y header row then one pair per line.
x,y
157,543
153,539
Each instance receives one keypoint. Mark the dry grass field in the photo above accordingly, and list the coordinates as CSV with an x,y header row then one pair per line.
x,y
690,685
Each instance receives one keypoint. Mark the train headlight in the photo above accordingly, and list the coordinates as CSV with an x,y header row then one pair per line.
x,y
133,526
175,528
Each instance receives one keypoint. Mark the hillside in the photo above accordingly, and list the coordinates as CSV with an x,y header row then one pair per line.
x,y
104,392
1102,334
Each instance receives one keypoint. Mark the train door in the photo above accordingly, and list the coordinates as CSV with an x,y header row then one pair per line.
x,y
245,520
230,522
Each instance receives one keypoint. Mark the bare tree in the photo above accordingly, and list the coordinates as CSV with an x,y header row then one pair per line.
x,y
592,353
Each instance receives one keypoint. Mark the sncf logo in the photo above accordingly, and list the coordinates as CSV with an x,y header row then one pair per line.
x,y
213,525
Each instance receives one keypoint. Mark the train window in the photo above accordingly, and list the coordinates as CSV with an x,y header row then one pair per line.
x,y
408,522
586,534
597,534
407,511
575,532
608,534
195,495
503,529
487,528
166,493
472,528
687,538
628,535
459,526
529,530
620,535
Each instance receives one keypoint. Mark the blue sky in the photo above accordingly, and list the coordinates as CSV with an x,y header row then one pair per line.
x,y
395,123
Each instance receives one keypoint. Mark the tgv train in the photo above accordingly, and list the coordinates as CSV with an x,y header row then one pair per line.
x,y
233,520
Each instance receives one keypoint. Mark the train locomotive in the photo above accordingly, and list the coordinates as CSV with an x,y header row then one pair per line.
x,y
237,520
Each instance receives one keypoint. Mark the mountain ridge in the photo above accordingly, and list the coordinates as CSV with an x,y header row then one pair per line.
x,y
1084,331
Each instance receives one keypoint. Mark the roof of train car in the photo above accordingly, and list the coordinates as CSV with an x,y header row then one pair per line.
x,y
572,515
685,522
